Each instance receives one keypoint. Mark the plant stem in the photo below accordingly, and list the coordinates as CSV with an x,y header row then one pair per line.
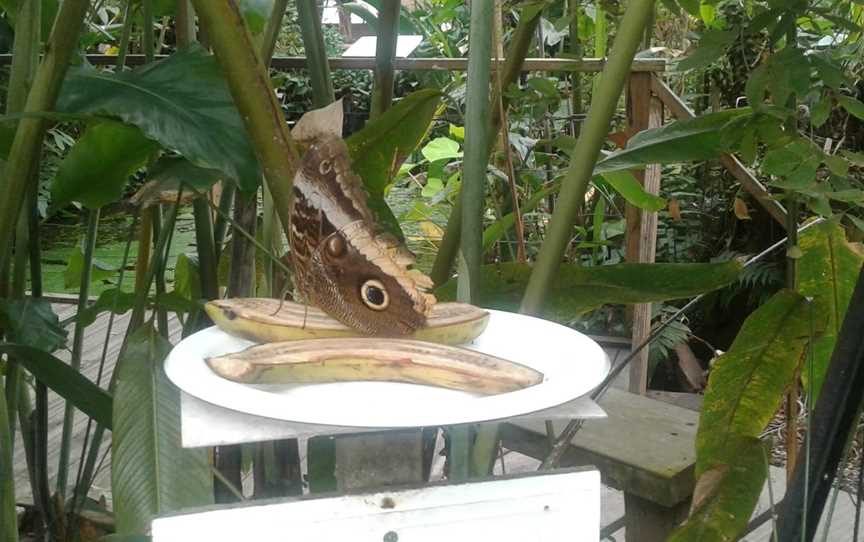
x,y
220,227
28,137
271,32
125,34
77,345
576,51
184,20
385,52
161,259
250,86
147,42
477,144
207,263
316,53
8,515
520,43
588,146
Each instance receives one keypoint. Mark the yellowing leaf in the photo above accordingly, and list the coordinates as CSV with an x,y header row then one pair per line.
x,y
741,210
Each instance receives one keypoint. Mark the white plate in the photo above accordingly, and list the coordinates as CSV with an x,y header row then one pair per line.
x,y
572,365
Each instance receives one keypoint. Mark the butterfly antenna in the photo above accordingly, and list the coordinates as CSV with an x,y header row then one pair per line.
x,y
282,295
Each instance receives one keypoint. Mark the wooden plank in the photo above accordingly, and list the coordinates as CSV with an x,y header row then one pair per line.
x,y
644,112
745,177
592,65
551,506
644,447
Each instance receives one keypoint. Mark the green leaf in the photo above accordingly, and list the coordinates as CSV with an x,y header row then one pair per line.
x,y
383,144
32,322
113,300
712,46
827,273
72,274
837,165
852,106
576,290
830,73
97,168
457,132
821,111
151,473
726,495
125,538
182,102
690,6
187,278
378,150
700,138
63,380
626,184
747,383
441,148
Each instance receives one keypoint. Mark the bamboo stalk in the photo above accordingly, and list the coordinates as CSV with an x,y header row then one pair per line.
x,y
316,53
77,345
385,53
518,49
28,137
572,197
250,86
477,144
184,21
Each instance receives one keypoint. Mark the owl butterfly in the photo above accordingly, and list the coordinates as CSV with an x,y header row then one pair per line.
x,y
343,262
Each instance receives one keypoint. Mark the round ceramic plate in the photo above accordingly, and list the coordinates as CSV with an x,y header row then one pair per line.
x,y
571,363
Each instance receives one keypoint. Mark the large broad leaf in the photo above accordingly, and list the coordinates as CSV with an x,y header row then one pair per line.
x,y
712,46
150,472
97,168
700,138
827,273
64,381
747,383
725,495
575,289
182,102
378,150
32,322
745,389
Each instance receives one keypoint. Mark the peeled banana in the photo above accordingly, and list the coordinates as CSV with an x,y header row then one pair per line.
x,y
266,320
359,359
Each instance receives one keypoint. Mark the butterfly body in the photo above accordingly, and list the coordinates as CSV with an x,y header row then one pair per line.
x,y
342,263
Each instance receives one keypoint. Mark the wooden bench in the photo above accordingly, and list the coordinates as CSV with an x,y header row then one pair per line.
x,y
645,448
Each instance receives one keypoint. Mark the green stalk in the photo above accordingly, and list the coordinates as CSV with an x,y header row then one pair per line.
x,y
77,346
250,86
271,32
125,34
159,278
588,146
147,41
520,43
24,62
477,144
601,37
8,516
28,137
316,53
385,53
184,20
576,51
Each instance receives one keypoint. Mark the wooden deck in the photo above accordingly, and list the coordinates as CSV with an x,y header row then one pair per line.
x,y
96,336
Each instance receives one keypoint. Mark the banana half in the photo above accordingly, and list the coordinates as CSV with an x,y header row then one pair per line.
x,y
265,320
362,359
